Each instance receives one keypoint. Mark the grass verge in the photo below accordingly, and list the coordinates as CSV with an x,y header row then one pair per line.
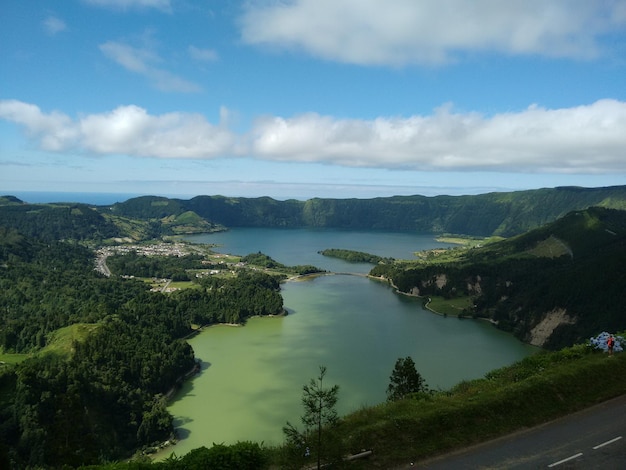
x,y
535,390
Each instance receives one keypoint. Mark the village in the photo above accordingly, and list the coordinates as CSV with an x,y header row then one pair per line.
x,y
177,249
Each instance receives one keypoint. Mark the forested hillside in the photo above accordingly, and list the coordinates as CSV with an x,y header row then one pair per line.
x,y
504,214
98,354
56,221
553,286
147,217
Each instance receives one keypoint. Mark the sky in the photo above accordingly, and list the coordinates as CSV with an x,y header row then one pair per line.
x,y
311,98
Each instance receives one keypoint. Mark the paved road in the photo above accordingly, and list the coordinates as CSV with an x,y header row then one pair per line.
x,y
101,265
593,438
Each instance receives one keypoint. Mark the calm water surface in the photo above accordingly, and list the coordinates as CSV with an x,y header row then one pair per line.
x,y
302,246
252,376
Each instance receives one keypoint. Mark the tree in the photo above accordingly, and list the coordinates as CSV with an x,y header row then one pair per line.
x,y
319,415
156,423
404,380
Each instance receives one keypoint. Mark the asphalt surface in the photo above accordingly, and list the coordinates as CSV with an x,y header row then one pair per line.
x,y
589,439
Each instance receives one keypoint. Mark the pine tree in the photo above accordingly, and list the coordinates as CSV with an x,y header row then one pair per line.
x,y
404,380
319,415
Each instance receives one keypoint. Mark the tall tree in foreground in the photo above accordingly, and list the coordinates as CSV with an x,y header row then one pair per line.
x,y
405,379
319,417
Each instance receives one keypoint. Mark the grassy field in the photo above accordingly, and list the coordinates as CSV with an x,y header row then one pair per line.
x,y
60,341
12,359
468,242
551,247
452,307
451,255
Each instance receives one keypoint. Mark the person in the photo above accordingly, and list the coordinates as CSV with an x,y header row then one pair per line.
x,y
609,343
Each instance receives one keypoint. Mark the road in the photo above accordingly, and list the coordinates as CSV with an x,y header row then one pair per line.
x,y
593,438
101,265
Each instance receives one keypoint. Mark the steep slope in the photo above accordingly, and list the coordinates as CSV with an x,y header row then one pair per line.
x,y
552,286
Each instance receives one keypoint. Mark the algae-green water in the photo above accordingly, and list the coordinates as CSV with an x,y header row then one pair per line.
x,y
251,380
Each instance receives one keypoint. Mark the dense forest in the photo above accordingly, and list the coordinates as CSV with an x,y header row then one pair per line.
x,y
51,222
103,396
353,256
571,269
134,264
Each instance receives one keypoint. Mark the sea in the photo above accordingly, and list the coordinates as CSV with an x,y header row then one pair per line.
x,y
98,199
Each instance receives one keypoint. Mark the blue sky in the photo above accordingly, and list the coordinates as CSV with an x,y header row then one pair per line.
x,y
311,98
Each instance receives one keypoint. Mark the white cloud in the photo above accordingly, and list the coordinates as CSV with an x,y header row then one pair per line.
x,y
143,61
399,32
55,131
127,130
582,139
586,139
163,5
203,55
53,25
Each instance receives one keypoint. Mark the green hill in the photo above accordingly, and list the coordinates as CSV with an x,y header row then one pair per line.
x,y
87,360
55,221
552,286
148,207
505,214
6,200
138,219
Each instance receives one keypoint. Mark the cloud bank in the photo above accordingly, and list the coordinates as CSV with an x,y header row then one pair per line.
x,y
431,32
127,130
583,139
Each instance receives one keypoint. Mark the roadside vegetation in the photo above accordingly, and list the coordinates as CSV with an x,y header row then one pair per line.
x,y
535,390
318,442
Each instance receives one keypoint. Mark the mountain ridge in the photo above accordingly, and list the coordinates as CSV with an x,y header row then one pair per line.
x,y
503,214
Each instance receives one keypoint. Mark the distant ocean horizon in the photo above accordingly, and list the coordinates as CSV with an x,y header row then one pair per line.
x,y
95,198
99,199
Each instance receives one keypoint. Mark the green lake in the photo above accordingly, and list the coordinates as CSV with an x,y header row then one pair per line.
x,y
252,376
